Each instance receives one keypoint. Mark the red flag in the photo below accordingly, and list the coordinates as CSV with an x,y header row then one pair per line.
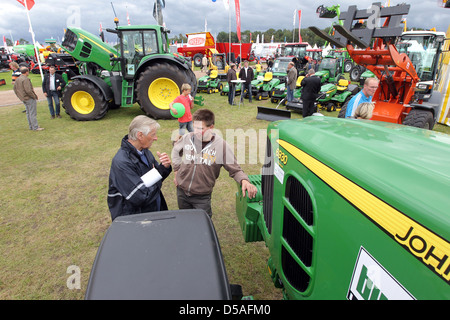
x,y
29,5
238,19
299,19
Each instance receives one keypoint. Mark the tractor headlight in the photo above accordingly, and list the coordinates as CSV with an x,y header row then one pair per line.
x,y
423,87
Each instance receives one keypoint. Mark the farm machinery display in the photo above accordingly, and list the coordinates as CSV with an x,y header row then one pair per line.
x,y
141,70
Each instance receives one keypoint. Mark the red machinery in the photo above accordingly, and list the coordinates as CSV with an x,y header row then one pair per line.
x,y
395,99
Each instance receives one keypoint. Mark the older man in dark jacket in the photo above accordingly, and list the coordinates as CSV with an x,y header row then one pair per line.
x,y
231,76
310,89
52,86
246,74
135,179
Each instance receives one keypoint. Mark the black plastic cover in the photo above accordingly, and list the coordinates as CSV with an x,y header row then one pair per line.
x,y
170,255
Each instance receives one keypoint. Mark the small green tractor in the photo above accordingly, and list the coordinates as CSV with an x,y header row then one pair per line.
x,y
210,83
330,69
273,79
334,96
141,69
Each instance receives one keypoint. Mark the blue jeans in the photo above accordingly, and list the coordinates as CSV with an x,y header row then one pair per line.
x,y
231,93
53,95
290,94
247,86
186,125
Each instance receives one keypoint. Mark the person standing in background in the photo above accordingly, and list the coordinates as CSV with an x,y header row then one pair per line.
x,y
23,88
52,86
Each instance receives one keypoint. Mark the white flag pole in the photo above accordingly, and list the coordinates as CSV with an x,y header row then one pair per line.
x,y
34,41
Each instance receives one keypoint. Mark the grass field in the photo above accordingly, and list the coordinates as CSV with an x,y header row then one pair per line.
x,y
53,187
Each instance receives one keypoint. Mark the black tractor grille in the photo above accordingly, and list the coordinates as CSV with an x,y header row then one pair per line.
x,y
267,186
297,235
70,40
296,276
300,200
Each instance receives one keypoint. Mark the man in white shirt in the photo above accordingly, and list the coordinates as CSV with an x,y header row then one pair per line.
x,y
52,87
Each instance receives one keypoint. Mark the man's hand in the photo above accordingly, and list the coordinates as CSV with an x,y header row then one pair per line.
x,y
164,159
251,189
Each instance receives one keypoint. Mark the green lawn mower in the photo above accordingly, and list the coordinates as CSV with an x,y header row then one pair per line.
x,y
210,83
226,89
334,96
330,69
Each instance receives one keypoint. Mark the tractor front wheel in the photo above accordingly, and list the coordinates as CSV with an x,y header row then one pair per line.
x,y
355,73
83,101
420,119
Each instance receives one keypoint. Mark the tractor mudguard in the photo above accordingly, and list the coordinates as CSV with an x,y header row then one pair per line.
x,y
100,83
341,97
273,83
180,61
426,106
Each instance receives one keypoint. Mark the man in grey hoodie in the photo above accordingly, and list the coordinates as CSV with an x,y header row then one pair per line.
x,y
197,159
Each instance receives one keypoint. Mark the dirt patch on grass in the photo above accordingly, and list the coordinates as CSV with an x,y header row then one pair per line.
x,y
9,98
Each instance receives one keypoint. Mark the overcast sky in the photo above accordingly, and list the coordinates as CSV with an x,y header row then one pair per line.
x,y
49,18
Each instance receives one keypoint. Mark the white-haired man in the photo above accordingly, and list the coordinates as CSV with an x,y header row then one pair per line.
x,y
135,178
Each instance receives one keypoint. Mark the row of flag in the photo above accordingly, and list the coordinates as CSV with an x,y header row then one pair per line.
x,y
238,18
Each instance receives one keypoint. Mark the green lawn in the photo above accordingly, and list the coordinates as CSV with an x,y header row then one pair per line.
x,y
36,80
53,210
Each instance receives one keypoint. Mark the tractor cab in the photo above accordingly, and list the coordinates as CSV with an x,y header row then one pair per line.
x,y
137,42
329,69
424,48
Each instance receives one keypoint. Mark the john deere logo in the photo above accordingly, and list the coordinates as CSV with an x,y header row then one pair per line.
x,y
371,281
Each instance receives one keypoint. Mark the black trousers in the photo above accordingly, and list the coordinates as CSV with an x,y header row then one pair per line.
x,y
308,108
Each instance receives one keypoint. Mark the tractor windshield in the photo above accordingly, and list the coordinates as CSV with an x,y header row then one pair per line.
x,y
135,45
280,65
295,51
423,51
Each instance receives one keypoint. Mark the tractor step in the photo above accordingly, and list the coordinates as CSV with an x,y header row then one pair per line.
x,y
127,93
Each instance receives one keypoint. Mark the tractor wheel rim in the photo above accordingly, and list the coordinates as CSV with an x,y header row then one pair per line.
x,y
82,102
163,91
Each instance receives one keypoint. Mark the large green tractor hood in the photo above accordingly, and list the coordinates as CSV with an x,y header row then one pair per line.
x,y
86,47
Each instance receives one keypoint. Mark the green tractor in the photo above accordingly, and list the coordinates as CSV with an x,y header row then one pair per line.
x,y
274,80
346,213
330,69
210,83
278,93
334,96
226,89
141,70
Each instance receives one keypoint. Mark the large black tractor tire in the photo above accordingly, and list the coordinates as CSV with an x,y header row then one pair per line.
x,y
420,119
348,65
83,101
159,85
198,59
355,73
343,109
